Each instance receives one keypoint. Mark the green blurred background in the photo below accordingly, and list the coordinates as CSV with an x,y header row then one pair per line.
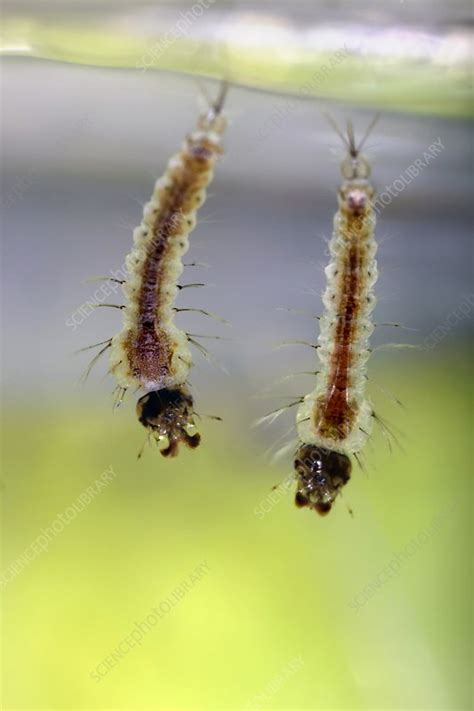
x,y
296,612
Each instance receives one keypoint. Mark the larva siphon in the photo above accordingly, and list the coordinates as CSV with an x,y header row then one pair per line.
x,y
335,420
151,353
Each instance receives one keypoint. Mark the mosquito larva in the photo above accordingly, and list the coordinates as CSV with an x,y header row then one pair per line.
x,y
151,353
335,419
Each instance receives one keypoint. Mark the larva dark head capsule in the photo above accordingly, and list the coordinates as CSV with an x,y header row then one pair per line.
x,y
321,475
169,415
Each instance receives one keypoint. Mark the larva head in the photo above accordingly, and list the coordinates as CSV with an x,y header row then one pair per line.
x,y
321,474
169,415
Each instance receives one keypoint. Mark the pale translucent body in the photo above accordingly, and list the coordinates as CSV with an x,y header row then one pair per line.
x,y
307,414
171,267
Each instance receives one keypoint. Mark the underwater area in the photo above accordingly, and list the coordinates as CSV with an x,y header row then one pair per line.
x,y
192,584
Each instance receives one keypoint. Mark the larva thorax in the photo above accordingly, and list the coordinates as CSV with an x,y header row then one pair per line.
x,y
335,419
151,353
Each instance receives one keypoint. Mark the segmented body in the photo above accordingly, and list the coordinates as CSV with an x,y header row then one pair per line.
x,y
335,419
151,352
337,414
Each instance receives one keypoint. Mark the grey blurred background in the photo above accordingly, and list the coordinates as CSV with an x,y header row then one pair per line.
x,y
85,146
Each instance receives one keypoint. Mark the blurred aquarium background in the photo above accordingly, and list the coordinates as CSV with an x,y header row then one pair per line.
x,y
293,611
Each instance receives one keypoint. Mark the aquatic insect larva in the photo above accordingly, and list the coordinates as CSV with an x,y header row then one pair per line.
x,y
151,353
335,420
